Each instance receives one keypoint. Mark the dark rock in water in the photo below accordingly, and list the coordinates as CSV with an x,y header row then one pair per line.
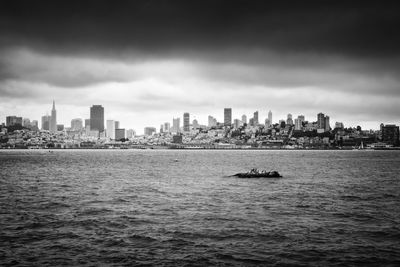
x,y
256,174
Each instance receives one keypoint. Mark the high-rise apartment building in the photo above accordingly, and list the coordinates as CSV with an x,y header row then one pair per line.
x,y
53,119
97,118
186,122
227,116
110,130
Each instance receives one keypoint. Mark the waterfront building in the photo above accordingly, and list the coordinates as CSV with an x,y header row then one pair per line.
x,y
255,118
119,134
110,130
46,122
176,125
76,124
244,119
149,131
53,119
97,118
289,120
390,134
227,116
186,121
321,121
270,117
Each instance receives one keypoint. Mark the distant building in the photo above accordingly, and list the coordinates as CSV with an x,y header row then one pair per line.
x,y
167,127
110,130
76,124
244,119
251,122
339,125
212,122
119,134
289,120
46,122
26,122
161,128
236,123
34,125
97,118
321,121
117,125
87,123
227,116
270,117
130,133
267,123
177,139
53,119
327,124
255,118
195,124
298,124
390,134
13,120
186,122
60,127
149,130
176,125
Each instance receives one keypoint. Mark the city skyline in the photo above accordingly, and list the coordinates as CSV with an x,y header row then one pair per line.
x,y
148,68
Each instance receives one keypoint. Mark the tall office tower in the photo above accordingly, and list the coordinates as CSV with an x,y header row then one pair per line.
x,y
289,120
117,124
227,116
321,121
186,122
46,122
97,118
244,119
255,118
167,127
53,119
110,131
176,125
327,125
270,117
76,124
87,123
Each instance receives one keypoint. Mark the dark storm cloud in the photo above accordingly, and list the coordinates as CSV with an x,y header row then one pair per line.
x,y
355,28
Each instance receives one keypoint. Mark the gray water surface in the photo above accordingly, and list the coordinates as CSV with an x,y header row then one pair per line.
x,y
176,207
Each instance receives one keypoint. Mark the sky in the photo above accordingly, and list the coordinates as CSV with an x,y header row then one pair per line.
x,y
147,62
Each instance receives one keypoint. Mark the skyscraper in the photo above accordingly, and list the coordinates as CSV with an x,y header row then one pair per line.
x,y
97,118
289,120
53,119
321,121
244,119
186,122
167,127
46,122
327,125
227,116
270,117
76,124
110,132
176,125
255,118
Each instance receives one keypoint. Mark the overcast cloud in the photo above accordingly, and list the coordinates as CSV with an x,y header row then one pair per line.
x,y
149,61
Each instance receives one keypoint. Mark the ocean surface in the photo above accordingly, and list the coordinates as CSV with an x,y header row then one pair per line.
x,y
180,208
